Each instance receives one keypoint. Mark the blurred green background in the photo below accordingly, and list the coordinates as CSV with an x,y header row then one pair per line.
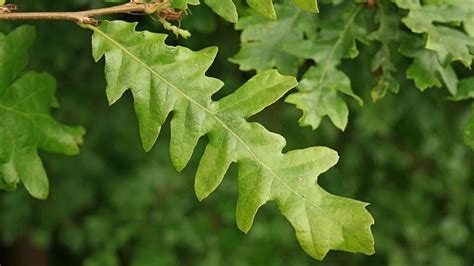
x,y
117,205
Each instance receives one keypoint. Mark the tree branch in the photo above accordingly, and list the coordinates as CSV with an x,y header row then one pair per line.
x,y
82,17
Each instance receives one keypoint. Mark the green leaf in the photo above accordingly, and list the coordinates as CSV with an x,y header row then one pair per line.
x,y
465,90
450,44
25,121
224,8
264,8
281,44
318,97
166,79
267,10
263,40
425,69
2,2
466,6
318,91
227,9
387,34
308,5
183,4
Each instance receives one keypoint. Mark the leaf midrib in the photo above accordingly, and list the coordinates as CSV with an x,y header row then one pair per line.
x,y
28,117
12,137
257,159
12,110
286,29
354,11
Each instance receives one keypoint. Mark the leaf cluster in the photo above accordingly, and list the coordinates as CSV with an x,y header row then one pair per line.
x,y
428,35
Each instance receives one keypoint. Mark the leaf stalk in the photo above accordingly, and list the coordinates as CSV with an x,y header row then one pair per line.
x,y
82,17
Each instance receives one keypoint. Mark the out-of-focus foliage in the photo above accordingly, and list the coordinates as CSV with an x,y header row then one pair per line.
x,y
326,40
387,34
448,43
115,205
433,41
322,83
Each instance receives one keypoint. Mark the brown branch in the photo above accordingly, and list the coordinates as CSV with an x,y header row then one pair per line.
x,y
82,17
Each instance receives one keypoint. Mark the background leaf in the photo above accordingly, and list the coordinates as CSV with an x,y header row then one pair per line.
x,y
285,44
425,69
25,121
224,8
262,40
448,44
387,34
266,9
318,91
183,4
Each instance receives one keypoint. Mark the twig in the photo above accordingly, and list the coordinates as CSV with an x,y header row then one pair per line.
x,y
84,17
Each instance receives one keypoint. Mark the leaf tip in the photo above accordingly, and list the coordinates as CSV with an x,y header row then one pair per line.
x,y
40,193
43,196
147,146
244,229
212,51
234,20
200,195
77,136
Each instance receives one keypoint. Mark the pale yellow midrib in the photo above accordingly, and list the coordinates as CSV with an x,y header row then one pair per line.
x,y
355,11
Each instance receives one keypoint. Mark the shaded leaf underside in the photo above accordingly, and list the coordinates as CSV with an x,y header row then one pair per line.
x,y
166,79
